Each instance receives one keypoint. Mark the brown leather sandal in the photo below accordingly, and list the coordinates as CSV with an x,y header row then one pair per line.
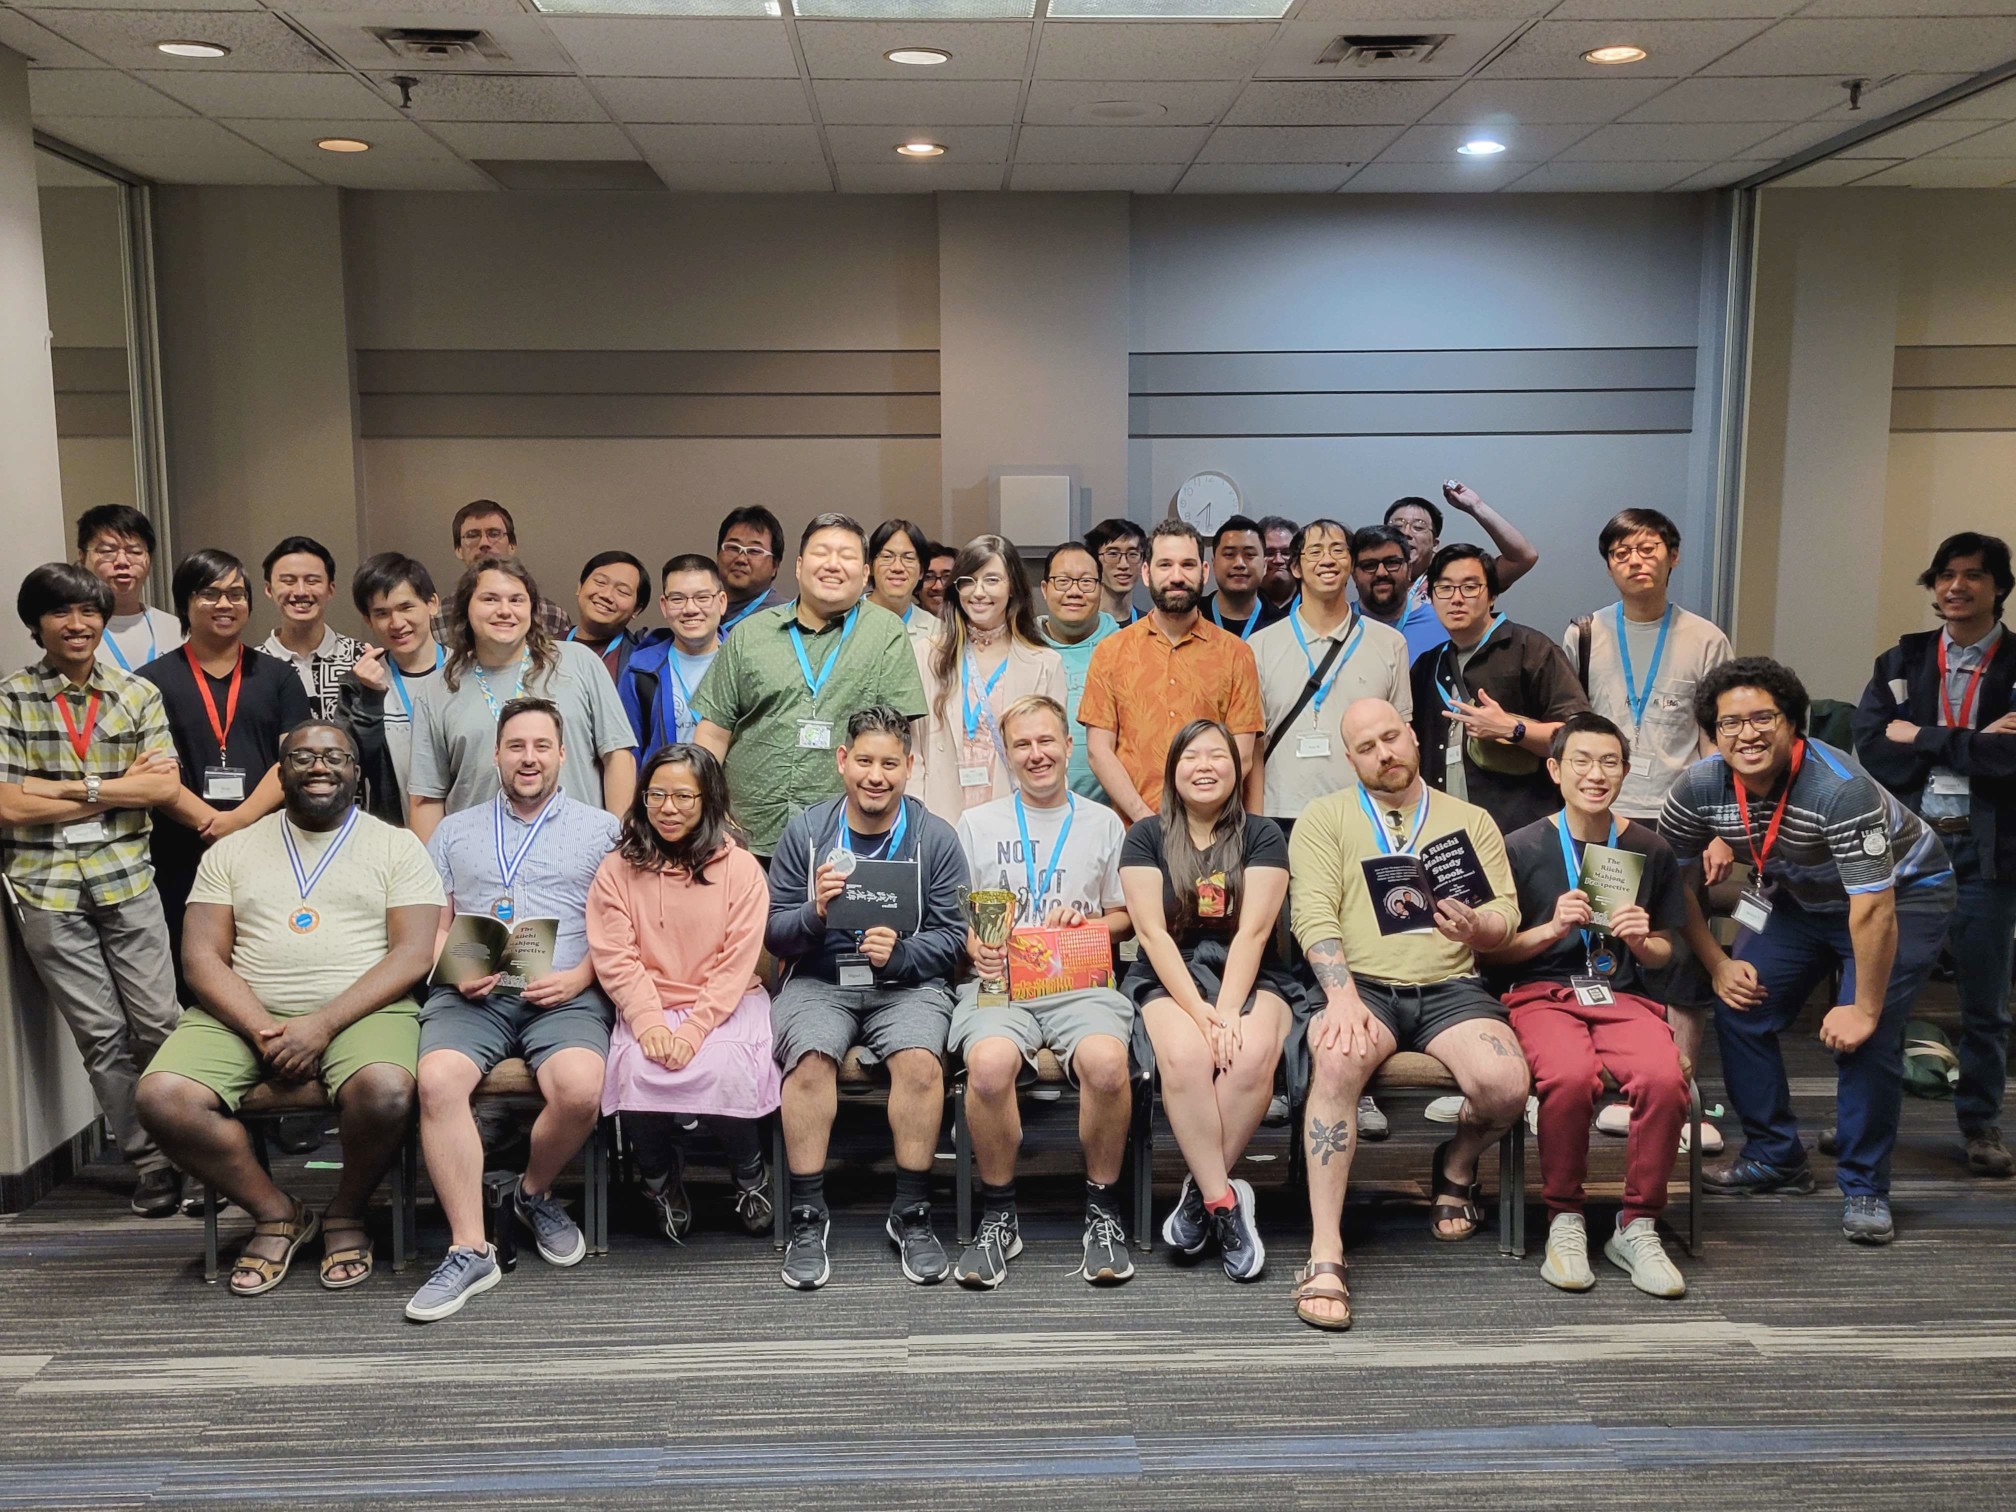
x,y
1453,1202
297,1231
1310,1287
354,1254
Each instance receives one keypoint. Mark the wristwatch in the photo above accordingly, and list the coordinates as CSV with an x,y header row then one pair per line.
x,y
91,786
1518,735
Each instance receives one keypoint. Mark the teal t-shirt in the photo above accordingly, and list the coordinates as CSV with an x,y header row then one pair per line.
x,y
1077,659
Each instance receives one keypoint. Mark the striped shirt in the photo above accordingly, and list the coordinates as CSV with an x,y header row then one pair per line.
x,y
1842,834
47,871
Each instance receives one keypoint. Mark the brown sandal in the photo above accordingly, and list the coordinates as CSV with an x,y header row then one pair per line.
x,y
297,1231
1308,1289
357,1254
1453,1202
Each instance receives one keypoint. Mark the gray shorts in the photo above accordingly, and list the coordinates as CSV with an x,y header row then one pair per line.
x,y
809,1016
1059,1021
1415,1015
504,1025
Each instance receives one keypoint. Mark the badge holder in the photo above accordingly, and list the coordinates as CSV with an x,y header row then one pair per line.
x,y
815,734
90,831
1752,910
223,784
854,969
1312,745
1593,990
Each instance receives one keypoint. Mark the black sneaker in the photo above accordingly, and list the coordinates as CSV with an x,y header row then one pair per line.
x,y
923,1256
983,1265
670,1205
1108,1261
1745,1177
1238,1239
1188,1228
806,1265
753,1203
158,1193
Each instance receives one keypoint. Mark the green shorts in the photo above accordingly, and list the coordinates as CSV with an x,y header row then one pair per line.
x,y
208,1051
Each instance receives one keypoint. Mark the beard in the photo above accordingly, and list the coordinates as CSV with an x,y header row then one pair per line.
x,y
1393,779
1385,595
317,805
1174,598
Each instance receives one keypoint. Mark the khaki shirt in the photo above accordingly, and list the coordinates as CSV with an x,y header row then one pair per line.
x,y
1376,667
1668,741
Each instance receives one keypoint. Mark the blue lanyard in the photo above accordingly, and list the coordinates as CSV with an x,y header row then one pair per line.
x,y
891,843
1572,864
908,610
1379,827
509,865
969,706
1251,619
305,881
399,682
1038,894
1632,697
483,682
1447,701
743,613
1350,647
816,685
153,646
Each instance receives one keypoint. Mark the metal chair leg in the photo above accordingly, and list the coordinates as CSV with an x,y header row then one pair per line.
x,y
1694,1168
210,1265
402,1193
962,1162
1142,1146
1512,1190
597,1156
498,1190
780,1176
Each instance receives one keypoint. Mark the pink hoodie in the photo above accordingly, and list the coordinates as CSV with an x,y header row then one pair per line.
x,y
660,943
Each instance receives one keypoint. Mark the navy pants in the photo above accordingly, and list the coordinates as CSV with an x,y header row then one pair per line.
x,y
1980,938
1794,953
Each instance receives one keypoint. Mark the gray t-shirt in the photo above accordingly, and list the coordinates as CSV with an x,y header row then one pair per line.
x,y
553,879
1088,871
133,640
455,729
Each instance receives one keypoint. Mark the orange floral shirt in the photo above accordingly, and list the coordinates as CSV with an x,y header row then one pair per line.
x,y
1145,690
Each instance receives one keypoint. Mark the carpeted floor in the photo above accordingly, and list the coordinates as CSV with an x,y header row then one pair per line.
x,y
1799,1371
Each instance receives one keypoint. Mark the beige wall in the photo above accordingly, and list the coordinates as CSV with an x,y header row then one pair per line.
x,y
84,264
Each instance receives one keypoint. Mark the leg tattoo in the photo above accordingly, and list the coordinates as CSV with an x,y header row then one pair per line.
x,y
1498,1046
1328,1139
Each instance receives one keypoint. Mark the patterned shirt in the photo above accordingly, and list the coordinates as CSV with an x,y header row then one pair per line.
x,y
47,871
321,670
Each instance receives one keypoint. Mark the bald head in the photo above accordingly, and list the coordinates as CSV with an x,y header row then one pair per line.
x,y
1381,746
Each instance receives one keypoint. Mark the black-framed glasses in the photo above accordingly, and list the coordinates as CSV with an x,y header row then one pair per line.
x,y
1121,556
307,761
1763,721
1394,568
1448,591
210,598
1065,584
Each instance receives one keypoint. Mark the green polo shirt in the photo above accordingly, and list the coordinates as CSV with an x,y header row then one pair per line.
x,y
757,691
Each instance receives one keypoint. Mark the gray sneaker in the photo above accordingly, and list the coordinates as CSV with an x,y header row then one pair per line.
x,y
983,1265
1187,1229
922,1255
753,1203
806,1264
1238,1239
1866,1220
559,1238
1107,1260
462,1274
1371,1122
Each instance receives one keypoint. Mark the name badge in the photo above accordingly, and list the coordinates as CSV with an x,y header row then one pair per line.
x,y
1752,911
854,970
1948,784
815,734
1312,745
86,832
1454,755
973,777
223,784
1592,992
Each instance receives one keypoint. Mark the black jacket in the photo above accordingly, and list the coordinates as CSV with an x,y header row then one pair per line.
x,y
363,709
1987,761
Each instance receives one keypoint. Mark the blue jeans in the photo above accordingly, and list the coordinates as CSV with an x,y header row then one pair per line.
x,y
1980,939
1795,951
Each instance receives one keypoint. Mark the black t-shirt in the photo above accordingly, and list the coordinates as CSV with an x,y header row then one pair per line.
x,y
1264,847
1270,614
1535,856
271,701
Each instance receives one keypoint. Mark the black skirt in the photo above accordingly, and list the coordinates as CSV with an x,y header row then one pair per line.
x,y
1206,960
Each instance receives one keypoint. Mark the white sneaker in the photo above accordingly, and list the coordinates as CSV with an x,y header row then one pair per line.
x,y
1444,1110
1614,1119
1371,1121
1711,1138
1567,1264
1533,1115
1635,1249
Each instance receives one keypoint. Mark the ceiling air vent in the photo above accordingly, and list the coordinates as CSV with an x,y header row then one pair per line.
x,y
1372,53
438,45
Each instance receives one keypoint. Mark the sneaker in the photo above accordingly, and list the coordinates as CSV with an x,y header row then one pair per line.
x,y
1107,1261
1277,1112
159,1193
806,1265
923,1256
300,1133
1635,1250
984,1263
1443,1109
1567,1263
462,1274
1614,1119
1533,1114
1712,1142
1238,1238
1188,1228
753,1203
1866,1220
1986,1156
1745,1177
560,1240
1829,1141
1371,1122
674,1209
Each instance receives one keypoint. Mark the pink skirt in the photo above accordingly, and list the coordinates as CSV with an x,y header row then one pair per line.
x,y
733,1074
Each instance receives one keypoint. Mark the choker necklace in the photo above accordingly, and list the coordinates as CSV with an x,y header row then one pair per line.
x,y
986,637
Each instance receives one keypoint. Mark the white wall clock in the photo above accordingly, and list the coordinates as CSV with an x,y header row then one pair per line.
x,y
1207,500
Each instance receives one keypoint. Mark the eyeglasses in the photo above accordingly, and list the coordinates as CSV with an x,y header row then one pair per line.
x,y
674,602
897,559
745,553
1335,552
104,553
938,579
1448,591
1395,567
210,598
1121,556
482,537
992,582
1764,721
660,797
1581,763
1645,552
307,761
1277,553
1066,584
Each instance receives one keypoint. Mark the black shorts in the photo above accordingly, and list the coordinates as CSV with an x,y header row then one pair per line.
x,y
1415,1015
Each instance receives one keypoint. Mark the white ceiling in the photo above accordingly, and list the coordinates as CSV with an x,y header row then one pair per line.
x,y
724,97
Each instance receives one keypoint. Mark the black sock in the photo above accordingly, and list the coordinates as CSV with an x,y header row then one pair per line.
x,y
809,1192
912,1188
997,1199
1099,1194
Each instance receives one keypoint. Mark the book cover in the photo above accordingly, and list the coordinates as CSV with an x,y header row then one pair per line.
x,y
478,946
1044,962
880,895
1610,877
1403,901
1454,871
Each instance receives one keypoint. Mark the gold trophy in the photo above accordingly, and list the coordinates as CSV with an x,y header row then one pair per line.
x,y
991,911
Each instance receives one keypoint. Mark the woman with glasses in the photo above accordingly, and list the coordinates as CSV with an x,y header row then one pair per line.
x,y
675,928
898,552
989,655
1204,882
227,708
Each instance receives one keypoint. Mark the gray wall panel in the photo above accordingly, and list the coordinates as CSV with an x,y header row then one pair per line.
x,y
1637,411
1970,409
620,372
617,415
1411,372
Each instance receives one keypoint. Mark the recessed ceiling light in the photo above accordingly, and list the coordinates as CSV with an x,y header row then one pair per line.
x,y
1481,147
192,49
1623,53
342,144
922,149
918,57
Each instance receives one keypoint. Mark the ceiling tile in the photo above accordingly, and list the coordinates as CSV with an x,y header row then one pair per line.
x,y
1894,94
745,178
243,164
500,97
1132,178
1553,49
1298,48
527,46
369,171
1586,102
1872,48
1674,10
1109,144
1336,102
95,92
1783,144
1060,102
254,96
542,140
1910,8
1396,14
1438,144
1828,173
110,136
295,140
151,5
707,101
1711,100
41,46
1578,178
677,48
870,102
1996,141
854,49
1916,138
728,144
1263,178
918,178
1297,144
1722,175
1667,144
259,42
877,144
1997,104
1945,173
1151,50
427,13
1464,176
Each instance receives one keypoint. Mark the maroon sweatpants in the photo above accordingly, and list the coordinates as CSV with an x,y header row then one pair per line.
x,y
1567,1044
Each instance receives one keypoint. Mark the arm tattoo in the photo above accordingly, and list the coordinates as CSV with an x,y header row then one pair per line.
x,y
1326,1140
1497,1045
1326,961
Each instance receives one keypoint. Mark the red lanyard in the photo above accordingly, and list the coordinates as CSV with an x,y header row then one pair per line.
x,y
1778,816
1964,719
220,728
80,740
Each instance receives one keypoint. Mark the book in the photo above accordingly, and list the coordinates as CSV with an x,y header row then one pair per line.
x,y
478,945
1044,962
1404,888
880,895
1454,872
1610,877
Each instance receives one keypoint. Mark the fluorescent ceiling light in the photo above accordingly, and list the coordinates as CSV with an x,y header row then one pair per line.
x,y
921,149
343,144
1168,10
918,57
1622,53
659,7
1481,147
191,49
915,10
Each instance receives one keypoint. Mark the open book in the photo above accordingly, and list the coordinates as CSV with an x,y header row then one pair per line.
x,y
478,945
1404,888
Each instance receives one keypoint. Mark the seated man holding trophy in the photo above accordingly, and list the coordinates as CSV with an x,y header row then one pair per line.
x,y
868,923
1047,908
